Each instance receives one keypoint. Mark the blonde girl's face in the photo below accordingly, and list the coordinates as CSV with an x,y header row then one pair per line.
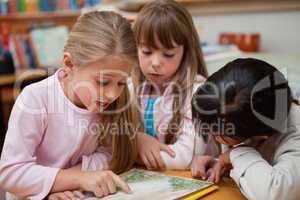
x,y
98,84
159,65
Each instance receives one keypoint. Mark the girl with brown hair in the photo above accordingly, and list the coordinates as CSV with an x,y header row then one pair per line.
x,y
170,59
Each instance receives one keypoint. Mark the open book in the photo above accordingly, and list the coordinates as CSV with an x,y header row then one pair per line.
x,y
154,185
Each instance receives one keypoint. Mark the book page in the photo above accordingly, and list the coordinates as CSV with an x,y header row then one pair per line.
x,y
149,185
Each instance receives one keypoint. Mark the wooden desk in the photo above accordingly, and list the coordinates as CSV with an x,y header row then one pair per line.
x,y
227,191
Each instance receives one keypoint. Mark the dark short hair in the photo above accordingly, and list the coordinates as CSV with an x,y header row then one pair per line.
x,y
243,93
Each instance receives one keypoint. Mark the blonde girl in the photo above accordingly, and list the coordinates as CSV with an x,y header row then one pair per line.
x,y
56,125
170,59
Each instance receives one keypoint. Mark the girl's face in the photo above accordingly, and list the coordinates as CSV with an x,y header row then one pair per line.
x,y
160,65
98,84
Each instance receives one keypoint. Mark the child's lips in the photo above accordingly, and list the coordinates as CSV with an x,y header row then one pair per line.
x,y
155,75
103,104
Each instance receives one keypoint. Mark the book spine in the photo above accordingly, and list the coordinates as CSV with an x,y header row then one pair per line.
x,y
4,7
34,55
24,52
73,5
19,51
92,3
1,48
96,2
12,49
29,53
21,5
43,5
52,5
12,6
63,5
31,5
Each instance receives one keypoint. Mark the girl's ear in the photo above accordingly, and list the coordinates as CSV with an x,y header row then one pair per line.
x,y
68,65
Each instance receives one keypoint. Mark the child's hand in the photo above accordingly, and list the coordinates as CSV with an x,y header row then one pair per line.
x,y
224,158
68,195
201,165
149,152
218,170
102,183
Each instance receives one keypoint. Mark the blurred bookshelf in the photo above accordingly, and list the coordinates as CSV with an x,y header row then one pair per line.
x,y
22,24
213,7
22,20
40,15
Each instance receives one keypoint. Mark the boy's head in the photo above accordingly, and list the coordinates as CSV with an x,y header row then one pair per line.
x,y
247,97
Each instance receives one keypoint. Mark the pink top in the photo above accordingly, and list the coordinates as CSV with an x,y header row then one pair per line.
x,y
47,132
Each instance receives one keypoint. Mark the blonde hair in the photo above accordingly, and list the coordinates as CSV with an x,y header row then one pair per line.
x,y
97,34
170,22
94,35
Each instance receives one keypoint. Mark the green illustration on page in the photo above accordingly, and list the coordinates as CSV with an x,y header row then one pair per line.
x,y
154,185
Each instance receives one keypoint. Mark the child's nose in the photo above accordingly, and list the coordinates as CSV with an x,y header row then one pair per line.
x,y
156,60
112,94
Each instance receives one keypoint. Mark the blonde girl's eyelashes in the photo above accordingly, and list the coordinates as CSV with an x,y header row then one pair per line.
x,y
122,83
106,82
103,82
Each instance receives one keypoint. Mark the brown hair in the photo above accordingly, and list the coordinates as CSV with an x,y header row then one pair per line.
x,y
170,22
94,35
